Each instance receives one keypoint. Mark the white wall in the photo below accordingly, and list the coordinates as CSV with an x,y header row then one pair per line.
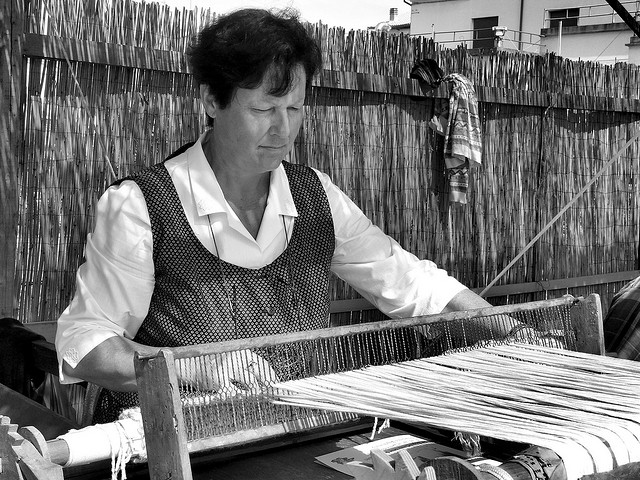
x,y
450,15
603,47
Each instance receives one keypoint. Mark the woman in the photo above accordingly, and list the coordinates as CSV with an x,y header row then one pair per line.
x,y
223,240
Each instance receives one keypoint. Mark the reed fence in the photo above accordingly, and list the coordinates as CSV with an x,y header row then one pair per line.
x,y
105,92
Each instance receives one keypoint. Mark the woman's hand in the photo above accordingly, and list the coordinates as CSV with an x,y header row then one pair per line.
x,y
228,373
527,334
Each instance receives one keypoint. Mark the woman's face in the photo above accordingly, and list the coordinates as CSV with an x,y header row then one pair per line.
x,y
254,133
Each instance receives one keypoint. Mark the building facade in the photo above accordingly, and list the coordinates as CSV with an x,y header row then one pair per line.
x,y
575,29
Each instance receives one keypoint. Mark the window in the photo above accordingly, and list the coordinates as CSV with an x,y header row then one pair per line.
x,y
483,36
568,17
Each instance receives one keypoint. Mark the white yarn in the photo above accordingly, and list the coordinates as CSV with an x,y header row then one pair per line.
x,y
377,430
114,434
131,421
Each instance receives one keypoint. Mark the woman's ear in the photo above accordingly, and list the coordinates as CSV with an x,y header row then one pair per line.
x,y
208,100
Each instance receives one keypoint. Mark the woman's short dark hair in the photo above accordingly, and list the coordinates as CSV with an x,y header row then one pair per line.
x,y
238,49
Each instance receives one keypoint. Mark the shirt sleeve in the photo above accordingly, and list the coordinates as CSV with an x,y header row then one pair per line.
x,y
115,283
397,282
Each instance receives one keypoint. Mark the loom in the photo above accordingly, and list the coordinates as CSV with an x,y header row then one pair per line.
x,y
220,396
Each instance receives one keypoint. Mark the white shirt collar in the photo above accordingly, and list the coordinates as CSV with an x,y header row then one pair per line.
x,y
207,194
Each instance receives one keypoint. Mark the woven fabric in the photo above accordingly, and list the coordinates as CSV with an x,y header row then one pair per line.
x,y
199,298
622,323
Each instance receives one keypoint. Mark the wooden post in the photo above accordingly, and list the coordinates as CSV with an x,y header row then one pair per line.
x,y
11,43
586,322
164,427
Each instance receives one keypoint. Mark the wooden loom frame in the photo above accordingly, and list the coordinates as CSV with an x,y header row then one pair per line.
x,y
164,425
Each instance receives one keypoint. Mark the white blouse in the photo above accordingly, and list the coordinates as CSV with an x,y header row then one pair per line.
x,y
114,285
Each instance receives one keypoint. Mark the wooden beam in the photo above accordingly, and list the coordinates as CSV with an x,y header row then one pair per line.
x,y
41,46
164,427
44,46
360,328
44,356
27,412
559,284
11,42
350,305
586,322
357,304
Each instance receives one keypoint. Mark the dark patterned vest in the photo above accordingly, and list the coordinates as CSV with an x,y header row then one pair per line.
x,y
199,298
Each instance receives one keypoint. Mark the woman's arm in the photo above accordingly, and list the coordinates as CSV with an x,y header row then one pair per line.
x,y
466,300
110,364
113,287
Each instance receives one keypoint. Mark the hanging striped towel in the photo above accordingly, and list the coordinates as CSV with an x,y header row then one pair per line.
x,y
462,136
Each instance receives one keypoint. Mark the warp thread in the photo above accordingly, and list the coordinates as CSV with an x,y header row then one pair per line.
x,y
376,430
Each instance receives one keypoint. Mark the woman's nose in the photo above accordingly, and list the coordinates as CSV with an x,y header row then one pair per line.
x,y
280,125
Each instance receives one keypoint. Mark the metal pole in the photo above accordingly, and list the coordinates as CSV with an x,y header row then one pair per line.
x,y
560,38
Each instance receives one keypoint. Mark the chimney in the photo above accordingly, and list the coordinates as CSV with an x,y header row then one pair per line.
x,y
393,13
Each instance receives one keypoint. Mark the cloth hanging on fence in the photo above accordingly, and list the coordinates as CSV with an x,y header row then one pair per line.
x,y
460,125
428,74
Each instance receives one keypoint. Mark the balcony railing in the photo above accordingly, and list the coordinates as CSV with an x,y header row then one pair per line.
x,y
511,39
591,14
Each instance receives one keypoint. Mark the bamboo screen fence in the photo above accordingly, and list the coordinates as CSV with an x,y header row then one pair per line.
x,y
549,125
